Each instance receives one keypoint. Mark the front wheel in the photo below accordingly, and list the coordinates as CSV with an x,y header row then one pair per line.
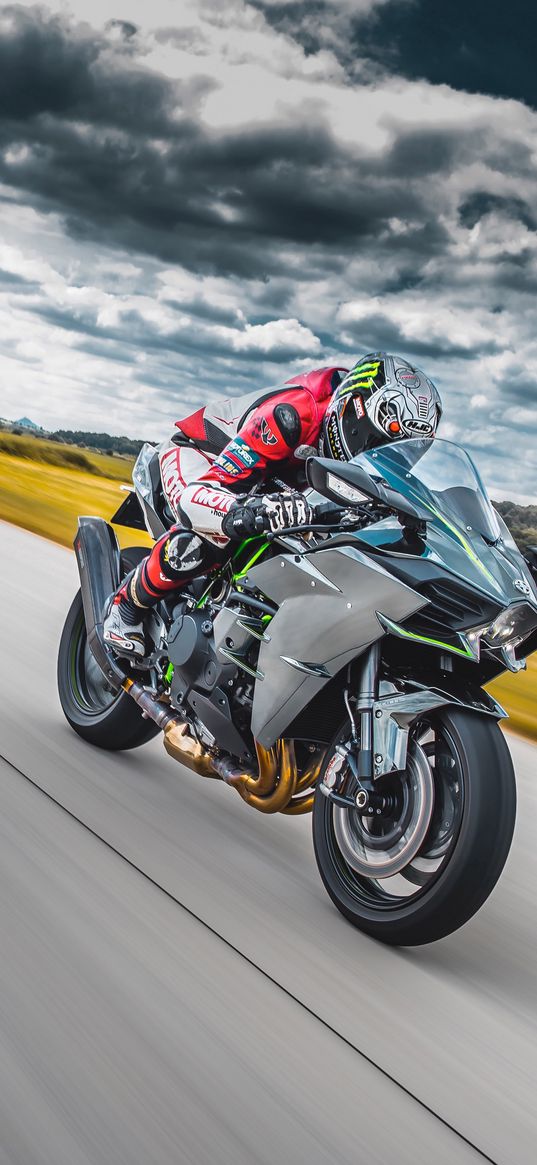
x,y
423,867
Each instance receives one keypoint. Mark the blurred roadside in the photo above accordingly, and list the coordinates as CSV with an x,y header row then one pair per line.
x,y
44,486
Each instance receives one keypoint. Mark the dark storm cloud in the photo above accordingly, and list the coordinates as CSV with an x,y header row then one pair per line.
x,y
102,142
520,386
54,72
10,279
355,212
482,202
136,333
484,46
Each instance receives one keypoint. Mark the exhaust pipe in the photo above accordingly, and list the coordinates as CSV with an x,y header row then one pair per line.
x,y
182,747
97,555
271,790
177,742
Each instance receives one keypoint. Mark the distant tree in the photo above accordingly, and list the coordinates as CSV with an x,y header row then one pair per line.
x,y
103,442
522,522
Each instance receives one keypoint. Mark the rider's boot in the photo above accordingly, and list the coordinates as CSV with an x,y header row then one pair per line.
x,y
123,625
177,558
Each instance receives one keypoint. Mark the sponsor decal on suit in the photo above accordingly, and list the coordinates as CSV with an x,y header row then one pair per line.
x,y
214,499
172,479
267,436
246,456
224,465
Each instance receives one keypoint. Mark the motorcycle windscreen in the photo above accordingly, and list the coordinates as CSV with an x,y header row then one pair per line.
x,y
463,529
440,476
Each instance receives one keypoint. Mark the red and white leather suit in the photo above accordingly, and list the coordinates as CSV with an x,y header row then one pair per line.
x,y
228,446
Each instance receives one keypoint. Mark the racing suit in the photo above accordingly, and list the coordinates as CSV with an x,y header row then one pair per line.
x,y
220,452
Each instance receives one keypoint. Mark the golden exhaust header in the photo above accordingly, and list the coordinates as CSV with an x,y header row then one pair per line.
x,y
273,789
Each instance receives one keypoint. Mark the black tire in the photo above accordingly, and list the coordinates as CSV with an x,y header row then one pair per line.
x,y
470,865
99,715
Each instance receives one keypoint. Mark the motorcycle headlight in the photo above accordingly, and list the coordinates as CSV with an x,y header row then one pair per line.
x,y
511,626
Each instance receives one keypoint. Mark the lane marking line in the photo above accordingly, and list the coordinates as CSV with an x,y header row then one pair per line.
x,y
266,974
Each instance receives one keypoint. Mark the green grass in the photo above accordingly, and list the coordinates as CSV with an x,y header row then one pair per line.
x,y
45,452
44,487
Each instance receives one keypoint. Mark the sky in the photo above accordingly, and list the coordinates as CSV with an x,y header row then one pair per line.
x,y
200,197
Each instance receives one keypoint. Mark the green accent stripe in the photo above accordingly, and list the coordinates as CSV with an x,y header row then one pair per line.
x,y
260,550
236,577
457,533
464,543
466,651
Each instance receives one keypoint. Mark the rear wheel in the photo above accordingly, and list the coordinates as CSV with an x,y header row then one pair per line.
x,y
425,865
97,711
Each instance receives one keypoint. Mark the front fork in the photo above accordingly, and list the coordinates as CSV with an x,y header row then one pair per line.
x,y
378,744
368,693
358,754
382,743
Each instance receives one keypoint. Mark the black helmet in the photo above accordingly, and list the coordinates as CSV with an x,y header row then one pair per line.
x,y
383,398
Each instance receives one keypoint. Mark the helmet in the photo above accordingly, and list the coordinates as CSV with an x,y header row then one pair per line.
x,y
383,398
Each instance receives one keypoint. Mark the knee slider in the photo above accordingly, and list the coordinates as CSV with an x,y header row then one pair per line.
x,y
182,553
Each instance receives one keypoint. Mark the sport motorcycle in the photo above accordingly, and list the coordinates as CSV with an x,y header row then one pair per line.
x,y
337,668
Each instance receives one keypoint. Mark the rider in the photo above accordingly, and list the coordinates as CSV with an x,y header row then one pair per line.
x,y
224,449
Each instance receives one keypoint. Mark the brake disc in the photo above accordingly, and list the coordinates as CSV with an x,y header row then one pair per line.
x,y
382,847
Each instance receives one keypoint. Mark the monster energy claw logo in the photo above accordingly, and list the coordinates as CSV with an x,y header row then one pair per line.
x,y
363,376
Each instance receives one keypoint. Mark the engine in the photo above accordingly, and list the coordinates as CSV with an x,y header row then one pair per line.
x,y
213,672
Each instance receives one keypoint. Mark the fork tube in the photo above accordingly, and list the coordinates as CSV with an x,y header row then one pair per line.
x,y
367,694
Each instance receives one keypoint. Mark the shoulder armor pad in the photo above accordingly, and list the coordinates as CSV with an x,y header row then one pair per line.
x,y
288,421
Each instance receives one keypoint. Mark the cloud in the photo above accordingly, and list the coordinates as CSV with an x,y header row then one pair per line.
x,y
195,201
139,158
476,47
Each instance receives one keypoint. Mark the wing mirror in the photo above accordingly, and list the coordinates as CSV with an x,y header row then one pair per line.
x,y
348,484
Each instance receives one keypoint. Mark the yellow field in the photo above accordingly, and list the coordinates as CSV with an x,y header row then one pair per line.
x,y
46,452
518,694
47,499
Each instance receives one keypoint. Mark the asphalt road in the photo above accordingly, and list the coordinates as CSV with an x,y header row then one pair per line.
x,y
175,985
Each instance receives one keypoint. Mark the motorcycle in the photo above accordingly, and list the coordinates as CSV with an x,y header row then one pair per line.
x,y
337,668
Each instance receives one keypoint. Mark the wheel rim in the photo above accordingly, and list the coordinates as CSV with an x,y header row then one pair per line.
x,y
391,864
381,847
90,690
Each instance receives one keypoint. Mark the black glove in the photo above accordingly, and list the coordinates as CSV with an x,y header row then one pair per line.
x,y
272,513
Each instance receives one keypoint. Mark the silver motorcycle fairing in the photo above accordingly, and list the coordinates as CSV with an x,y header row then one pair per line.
x,y
394,713
327,603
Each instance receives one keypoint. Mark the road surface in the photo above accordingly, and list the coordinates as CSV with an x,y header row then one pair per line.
x,y
177,987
